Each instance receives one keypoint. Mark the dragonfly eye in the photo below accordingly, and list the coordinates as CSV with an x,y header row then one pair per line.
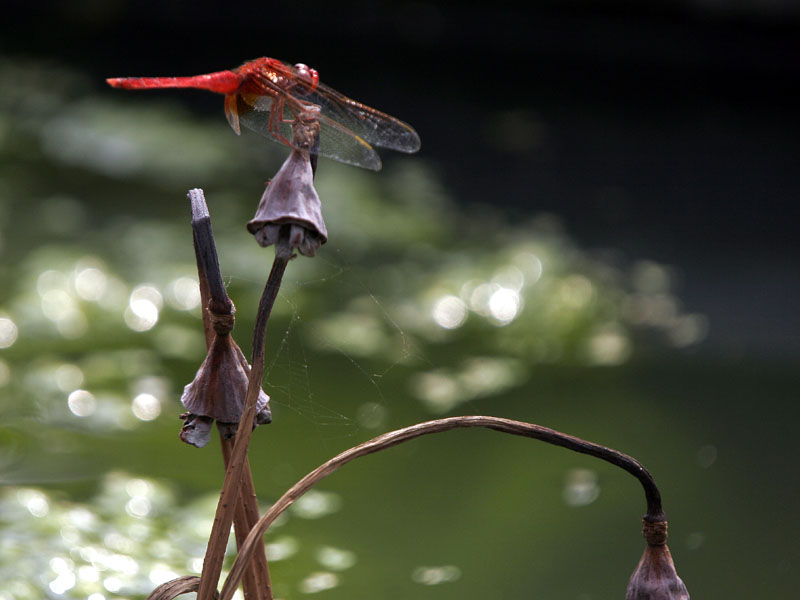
x,y
308,76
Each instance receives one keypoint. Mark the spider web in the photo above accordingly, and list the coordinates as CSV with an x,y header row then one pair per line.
x,y
291,364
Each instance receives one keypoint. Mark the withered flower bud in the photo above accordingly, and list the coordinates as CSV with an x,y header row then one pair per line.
x,y
655,577
290,199
219,389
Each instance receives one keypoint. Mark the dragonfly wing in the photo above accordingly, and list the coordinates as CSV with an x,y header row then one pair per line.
x,y
336,141
373,126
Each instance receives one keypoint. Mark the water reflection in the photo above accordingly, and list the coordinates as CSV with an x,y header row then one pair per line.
x,y
134,536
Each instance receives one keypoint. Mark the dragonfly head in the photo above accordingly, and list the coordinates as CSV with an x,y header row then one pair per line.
x,y
308,76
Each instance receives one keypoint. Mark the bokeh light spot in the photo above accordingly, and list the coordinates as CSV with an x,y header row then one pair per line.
x,y
707,456
81,403
8,332
504,305
91,284
580,487
57,305
318,582
149,293
138,487
530,265
281,548
687,330
316,504
650,277
146,407
34,501
161,574
695,540
436,575
50,280
484,376
439,391
480,296
141,315
575,291
184,293
68,377
371,415
144,306
510,277
449,312
609,347
335,559
112,584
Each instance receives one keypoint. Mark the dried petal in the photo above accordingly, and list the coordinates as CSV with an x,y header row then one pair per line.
x,y
655,577
290,199
220,387
196,429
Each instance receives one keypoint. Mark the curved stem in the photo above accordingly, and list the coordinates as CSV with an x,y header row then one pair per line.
x,y
387,440
175,587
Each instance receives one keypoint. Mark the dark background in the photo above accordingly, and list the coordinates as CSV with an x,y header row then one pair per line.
x,y
668,132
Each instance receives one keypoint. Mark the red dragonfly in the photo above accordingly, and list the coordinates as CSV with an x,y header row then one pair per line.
x,y
267,96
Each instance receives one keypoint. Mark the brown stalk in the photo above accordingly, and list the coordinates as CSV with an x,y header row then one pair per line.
x,y
387,440
234,478
174,588
256,581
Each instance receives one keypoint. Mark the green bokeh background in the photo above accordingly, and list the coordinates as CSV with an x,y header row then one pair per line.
x,y
99,503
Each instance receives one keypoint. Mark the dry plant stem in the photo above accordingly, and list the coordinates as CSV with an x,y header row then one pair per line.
x,y
212,565
387,440
174,588
256,581
206,254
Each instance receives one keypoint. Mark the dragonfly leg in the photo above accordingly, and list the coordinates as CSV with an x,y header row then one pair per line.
x,y
274,123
